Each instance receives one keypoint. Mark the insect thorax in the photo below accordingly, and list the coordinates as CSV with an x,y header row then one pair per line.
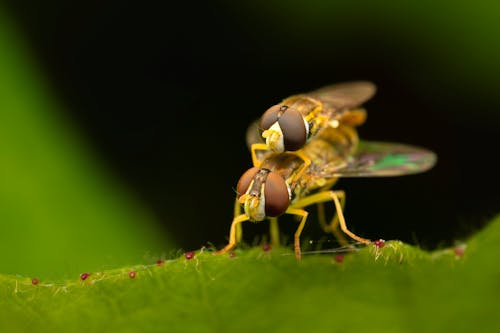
x,y
310,108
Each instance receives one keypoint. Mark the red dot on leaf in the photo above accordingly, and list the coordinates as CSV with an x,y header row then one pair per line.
x,y
379,243
160,262
84,276
132,274
459,251
266,247
339,258
189,255
35,281
232,255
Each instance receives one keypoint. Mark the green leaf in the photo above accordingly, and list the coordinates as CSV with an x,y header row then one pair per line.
x,y
60,211
396,288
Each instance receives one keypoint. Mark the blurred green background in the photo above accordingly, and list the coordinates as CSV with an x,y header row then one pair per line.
x,y
61,212
123,123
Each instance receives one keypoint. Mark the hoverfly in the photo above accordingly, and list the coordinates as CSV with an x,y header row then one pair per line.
x,y
289,125
288,182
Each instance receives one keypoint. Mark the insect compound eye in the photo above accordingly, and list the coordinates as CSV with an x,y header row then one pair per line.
x,y
276,194
291,123
245,180
294,129
271,116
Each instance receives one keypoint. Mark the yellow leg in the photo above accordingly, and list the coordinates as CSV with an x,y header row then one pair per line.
x,y
237,212
331,196
232,234
262,146
274,231
296,238
307,163
338,235
321,217
333,226
257,146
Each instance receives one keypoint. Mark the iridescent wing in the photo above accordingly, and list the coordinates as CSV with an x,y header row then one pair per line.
x,y
346,95
382,159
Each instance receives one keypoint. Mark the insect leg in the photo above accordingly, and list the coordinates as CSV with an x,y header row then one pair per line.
x,y
340,216
321,217
237,212
232,234
273,226
303,214
334,224
274,231
303,168
331,196
257,146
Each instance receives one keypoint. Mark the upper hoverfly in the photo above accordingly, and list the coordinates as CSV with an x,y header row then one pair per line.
x,y
287,182
289,125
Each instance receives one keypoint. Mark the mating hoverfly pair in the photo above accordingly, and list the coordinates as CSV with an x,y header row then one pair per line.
x,y
301,146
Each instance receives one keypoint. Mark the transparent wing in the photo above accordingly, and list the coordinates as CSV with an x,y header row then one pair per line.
x,y
382,159
345,95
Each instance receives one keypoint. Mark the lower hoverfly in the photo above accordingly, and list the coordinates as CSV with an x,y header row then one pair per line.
x,y
288,182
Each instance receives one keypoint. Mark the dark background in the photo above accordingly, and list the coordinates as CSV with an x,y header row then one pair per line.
x,y
164,93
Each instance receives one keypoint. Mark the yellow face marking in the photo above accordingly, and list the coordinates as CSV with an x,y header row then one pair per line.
x,y
254,202
267,133
244,198
253,206
274,138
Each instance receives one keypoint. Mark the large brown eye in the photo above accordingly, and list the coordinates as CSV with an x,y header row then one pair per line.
x,y
245,180
276,194
271,116
294,129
